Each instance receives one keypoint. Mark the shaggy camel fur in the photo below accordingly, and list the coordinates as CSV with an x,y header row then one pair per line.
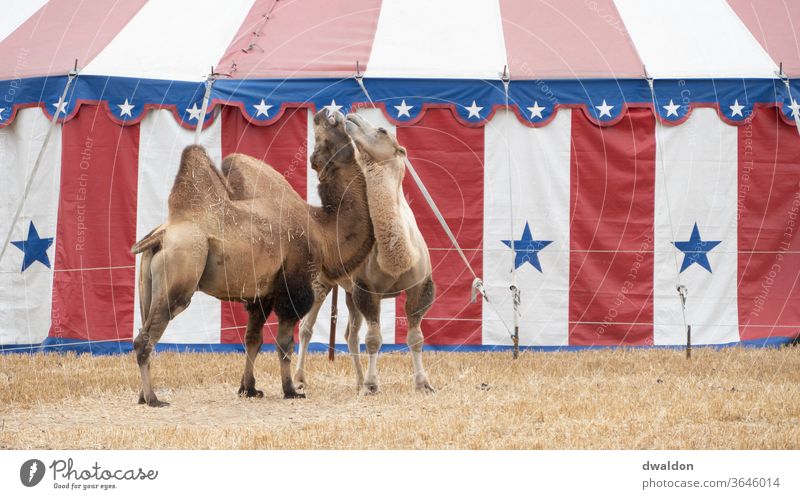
x,y
262,250
398,263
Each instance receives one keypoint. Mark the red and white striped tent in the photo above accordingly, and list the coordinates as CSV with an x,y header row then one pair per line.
x,y
614,191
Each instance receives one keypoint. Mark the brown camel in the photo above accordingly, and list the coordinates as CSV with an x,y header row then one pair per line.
x,y
399,261
249,237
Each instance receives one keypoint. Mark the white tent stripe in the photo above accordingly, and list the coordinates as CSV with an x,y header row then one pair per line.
x,y
691,39
388,306
161,142
442,39
26,297
172,39
700,176
540,177
16,12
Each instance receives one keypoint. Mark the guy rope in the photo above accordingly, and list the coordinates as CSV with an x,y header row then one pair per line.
x,y
516,298
682,291
59,108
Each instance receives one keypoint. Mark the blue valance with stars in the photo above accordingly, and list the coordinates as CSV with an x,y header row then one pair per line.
x,y
404,101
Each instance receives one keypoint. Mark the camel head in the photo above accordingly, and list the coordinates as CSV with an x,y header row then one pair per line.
x,y
333,149
377,148
381,158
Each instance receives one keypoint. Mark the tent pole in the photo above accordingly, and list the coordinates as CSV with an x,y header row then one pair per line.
x,y
334,317
785,79
204,108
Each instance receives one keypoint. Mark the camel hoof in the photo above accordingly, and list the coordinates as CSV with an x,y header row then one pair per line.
x,y
154,402
294,395
250,393
425,388
300,382
370,389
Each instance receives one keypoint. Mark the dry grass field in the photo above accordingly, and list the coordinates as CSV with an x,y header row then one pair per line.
x,y
735,398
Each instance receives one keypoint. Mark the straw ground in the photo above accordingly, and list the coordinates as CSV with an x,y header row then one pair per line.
x,y
735,398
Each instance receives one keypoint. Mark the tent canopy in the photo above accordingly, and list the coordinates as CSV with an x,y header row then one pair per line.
x,y
414,55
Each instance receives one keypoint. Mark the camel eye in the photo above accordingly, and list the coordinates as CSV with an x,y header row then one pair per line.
x,y
382,130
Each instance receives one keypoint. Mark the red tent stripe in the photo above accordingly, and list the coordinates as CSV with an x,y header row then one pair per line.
x,y
297,39
769,249
60,32
567,39
771,23
93,286
449,158
611,231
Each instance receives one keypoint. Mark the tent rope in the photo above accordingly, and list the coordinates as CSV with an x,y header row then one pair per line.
x,y
682,290
515,292
71,76
477,283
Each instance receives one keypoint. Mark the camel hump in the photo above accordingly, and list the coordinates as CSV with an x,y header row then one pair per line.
x,y
247,177
197,184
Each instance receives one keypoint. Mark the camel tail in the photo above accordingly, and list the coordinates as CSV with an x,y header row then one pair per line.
x,y
145,285
151,240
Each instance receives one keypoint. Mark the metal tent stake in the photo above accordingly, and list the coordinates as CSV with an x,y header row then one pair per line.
x,y
334,312
688,341
683,292
517,300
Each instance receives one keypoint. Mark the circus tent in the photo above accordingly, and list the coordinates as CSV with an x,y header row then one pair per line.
x,y
596,154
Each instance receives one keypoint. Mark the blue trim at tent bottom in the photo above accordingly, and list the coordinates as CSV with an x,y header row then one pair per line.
x,y
63,345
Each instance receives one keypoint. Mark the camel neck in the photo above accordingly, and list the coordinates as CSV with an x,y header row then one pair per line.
x,y
392,220
344,223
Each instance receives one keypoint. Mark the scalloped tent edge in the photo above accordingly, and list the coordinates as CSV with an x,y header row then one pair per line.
x,y
473,103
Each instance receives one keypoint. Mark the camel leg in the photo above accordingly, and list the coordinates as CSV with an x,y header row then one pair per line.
x,y
306,331
369,305
292,302
351,335
257,315
418,301
166,301
284,345
143,345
